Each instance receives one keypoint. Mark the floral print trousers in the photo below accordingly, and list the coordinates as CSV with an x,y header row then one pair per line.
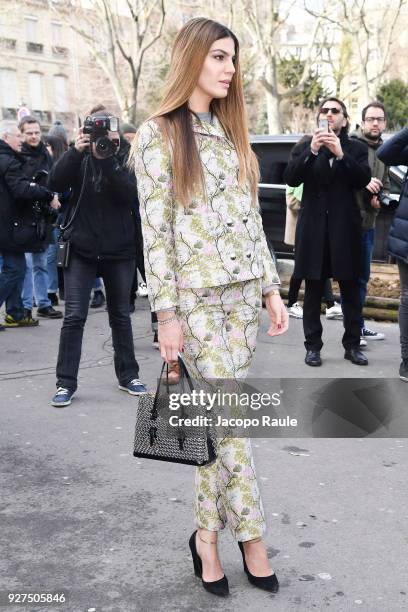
x,y
220,326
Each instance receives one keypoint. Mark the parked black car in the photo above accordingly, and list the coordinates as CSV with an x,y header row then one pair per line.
x,y
273,154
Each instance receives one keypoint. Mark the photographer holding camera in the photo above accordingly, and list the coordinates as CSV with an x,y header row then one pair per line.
x,y
370,199
21,222
98,240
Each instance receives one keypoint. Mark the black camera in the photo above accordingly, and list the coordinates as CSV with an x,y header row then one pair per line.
x,y
45,216
98,128
386,200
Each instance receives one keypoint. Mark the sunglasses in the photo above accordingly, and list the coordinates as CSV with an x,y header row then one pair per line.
x,y
334,110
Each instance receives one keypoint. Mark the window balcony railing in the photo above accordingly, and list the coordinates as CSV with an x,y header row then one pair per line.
x,y
8,43
58,51
33,47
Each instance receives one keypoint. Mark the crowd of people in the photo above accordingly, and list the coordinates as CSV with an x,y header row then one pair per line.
x,y
331,215
179,202
332,240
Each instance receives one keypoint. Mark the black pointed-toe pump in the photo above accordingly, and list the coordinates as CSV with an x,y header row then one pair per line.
x,y
217,587
267,583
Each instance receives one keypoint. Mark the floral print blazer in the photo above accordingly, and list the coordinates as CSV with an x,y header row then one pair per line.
x,y
215,241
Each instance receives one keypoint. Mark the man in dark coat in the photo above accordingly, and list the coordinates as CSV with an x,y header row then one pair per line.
x,y
395,152
17,222
36,160
328,233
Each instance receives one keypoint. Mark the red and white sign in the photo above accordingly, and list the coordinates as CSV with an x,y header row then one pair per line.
x,y
22,112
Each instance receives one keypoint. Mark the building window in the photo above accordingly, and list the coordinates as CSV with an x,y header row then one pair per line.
x,y
60,93
8,88
31,28
291,34
56,34
35,90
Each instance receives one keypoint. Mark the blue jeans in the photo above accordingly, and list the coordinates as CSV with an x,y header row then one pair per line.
x,y
52,264
368,237
11,283
98,285
36,281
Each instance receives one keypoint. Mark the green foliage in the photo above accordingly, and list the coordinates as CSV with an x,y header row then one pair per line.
x,y
394,96
290,72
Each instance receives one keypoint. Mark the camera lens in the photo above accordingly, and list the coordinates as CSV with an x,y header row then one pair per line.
x,y
104,147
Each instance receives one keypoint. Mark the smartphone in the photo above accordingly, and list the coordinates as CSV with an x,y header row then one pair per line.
x,y
324,125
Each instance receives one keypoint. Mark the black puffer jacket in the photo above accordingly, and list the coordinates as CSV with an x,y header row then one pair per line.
x,y
394,152
35,159
104,226
17,194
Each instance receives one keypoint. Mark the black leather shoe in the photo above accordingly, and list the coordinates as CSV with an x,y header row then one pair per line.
x,y
313,358
217,587
267,583
49,313
356,356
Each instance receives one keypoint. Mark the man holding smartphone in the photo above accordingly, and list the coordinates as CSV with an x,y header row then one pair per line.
x,y
328,233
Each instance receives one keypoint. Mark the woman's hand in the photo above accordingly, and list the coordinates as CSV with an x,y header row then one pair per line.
x,y
170,337
278,315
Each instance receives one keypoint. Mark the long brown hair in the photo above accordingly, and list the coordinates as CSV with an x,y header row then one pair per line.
x,y
190,50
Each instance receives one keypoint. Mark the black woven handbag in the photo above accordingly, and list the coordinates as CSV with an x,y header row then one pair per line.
x,y
156,439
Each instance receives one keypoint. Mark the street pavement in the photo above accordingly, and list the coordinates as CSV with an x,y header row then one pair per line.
x,y
80,515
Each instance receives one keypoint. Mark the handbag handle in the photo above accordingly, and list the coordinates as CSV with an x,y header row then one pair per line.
x,y
165,366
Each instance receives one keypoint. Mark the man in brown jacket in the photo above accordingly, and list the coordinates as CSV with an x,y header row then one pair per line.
x,y
373,124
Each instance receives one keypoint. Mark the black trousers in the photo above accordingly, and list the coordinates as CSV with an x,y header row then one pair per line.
x,y
294,288
351,306
78,279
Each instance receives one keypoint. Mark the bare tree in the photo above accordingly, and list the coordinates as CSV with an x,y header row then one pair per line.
x,y
264,21
118,33
366,31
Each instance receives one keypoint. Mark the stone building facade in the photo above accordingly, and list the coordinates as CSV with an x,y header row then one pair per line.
x,y
45,67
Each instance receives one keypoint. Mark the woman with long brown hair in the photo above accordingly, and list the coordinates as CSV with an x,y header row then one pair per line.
x,y
207,266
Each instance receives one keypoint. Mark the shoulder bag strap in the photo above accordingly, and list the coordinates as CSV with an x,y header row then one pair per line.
x,y
76,207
